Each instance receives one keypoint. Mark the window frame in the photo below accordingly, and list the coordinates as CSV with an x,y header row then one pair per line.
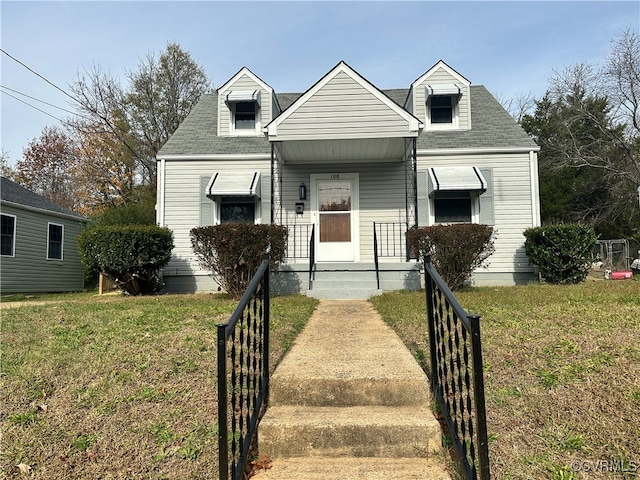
x,y
234,118
49,241
13,235
474,205
236,200
455,100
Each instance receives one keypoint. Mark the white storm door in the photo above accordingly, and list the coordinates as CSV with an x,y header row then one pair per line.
x,y
336,217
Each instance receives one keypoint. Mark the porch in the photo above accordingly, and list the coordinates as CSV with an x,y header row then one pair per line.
x,y
391,268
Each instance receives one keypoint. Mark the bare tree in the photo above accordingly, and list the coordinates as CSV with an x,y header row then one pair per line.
x,y
141,117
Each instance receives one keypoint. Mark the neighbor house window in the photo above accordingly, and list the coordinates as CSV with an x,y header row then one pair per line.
x,y
55,242
237,210
453,207
8,235
245,116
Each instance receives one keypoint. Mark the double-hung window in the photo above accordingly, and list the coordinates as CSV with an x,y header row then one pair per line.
x,y
442,105
55,241
237,210
244,108
244,116
8,235
452,207
441,109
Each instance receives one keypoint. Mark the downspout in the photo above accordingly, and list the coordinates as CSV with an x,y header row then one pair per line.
x,y
161,194
535,188
415,181
272,184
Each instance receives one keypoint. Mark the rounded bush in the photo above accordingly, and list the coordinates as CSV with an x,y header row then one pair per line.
x,y
561,251
131,255
456,250
232,252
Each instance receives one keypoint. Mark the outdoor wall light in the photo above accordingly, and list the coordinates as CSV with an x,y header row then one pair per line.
x,y
302,192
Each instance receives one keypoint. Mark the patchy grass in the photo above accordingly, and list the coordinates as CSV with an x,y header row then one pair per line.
x,y
562,374
119,387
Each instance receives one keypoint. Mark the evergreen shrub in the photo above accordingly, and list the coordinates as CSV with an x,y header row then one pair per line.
x,y
232,252
456,250
131,255
561,251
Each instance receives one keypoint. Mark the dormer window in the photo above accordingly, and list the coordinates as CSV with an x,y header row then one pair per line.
x,y
441,109
244,117
442,105
244,106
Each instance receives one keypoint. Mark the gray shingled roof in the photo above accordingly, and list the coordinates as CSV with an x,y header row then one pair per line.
x,y
14,193
492,127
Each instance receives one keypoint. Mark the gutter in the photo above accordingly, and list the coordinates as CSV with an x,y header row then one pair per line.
x,y
488,150
68,216
216,156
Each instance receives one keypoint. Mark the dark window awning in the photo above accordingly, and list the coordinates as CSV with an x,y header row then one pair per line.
x,y
456,179
444,89
234,184
241,96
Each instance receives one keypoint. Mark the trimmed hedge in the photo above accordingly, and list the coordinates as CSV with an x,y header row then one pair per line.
x,y
232,252
561,251
456,250
131,255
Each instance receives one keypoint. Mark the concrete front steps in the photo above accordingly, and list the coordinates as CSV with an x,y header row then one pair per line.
x,y
348,280
349,401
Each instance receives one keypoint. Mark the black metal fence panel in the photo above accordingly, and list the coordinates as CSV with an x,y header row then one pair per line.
x,y
243,374
456,375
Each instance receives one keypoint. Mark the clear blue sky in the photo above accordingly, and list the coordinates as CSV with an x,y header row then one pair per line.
x,y
511,47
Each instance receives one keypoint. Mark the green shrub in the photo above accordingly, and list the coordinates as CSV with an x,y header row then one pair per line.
x,y
232,252
131,255
561,251
456,250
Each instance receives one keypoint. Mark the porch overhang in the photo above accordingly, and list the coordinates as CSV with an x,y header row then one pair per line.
x,y
342,118
334,151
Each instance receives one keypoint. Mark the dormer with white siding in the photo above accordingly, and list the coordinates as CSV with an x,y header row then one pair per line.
x,y
440,98
245,105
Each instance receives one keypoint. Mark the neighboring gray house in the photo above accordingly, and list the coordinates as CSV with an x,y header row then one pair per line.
x,y
37,243
349,168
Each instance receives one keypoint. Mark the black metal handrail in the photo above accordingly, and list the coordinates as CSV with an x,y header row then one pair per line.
x,y
298,245
312,255
243,345
375,255
456,373
389,241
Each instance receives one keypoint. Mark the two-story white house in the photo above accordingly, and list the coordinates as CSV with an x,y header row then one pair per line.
x,y
349,168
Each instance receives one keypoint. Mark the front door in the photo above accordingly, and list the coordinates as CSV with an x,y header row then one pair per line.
x,y
336,216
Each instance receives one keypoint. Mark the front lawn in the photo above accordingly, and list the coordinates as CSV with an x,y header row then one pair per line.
x,y
562,374
119,387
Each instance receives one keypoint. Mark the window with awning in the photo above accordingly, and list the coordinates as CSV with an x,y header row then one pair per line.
x,y
454,192
234,184
442,101
244,106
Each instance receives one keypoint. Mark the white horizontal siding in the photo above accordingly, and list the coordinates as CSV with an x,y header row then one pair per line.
x,y
244,82
342,108
182,204
442,77
511,202
381,189
29,270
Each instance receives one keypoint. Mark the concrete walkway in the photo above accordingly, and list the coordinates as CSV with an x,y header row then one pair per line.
x,y
349,401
